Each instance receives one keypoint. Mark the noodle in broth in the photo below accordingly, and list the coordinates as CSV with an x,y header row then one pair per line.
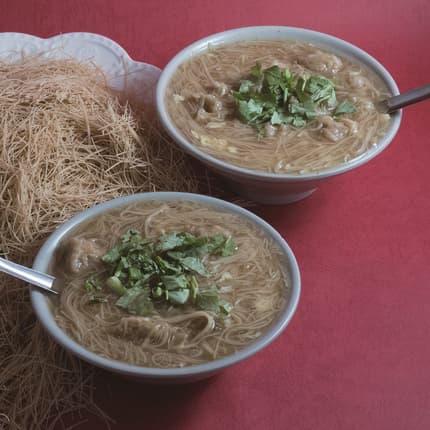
x,y
201,105
252,280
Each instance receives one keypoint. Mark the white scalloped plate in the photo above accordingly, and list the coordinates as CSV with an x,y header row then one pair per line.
x,y
135,78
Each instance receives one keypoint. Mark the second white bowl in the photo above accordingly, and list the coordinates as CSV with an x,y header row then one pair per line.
x,y
267,187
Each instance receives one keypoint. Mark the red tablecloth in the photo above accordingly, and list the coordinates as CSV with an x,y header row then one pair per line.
x,y
356,354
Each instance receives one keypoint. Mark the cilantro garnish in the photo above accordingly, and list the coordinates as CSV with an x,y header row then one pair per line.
x,y
344,107
144,273
278,97
93,288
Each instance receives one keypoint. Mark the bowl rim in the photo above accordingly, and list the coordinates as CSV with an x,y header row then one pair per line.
x,y
324,40
42,309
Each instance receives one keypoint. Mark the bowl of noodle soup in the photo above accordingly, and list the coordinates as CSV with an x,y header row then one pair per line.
x,y
167,287
276,110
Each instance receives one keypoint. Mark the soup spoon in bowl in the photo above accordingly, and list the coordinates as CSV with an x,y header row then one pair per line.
x,y
38,279
405,99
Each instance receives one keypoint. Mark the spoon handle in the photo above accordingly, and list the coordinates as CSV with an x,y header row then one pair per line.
x,y
406,99
31,276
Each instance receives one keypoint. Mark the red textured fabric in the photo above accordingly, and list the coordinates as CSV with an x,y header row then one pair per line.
x,y
356,355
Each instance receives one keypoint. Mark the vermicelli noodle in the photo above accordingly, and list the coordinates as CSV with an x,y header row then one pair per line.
x,y
201,105
253,280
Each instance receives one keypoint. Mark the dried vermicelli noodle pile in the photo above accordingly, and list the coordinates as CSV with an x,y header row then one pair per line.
x,y
66,143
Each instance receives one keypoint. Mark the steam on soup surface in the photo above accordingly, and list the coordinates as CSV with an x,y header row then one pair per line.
x,y
168,284
277,106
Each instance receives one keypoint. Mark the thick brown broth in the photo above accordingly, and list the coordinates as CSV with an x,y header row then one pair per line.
x,y
253,280
201,106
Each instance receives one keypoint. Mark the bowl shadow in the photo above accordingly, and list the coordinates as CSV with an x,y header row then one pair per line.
x,y
163,406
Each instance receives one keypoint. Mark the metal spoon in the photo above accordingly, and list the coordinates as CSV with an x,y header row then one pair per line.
x,y
38,279
410,97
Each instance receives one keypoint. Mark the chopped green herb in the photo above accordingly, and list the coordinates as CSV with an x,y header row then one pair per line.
x,y
170,241
173,282
92,287
157,292
208,299
225,307
344,107
92,299
316,89
179,296
193,264
228,248
164,266
91,284
112,256
194,288
137,301
278,97
115,285
144,273
219,245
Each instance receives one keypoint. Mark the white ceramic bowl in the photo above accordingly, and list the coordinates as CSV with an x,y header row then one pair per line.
x,y
41,302
261,186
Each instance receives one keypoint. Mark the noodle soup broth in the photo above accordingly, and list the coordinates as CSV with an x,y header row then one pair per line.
x,y
208,103
234,288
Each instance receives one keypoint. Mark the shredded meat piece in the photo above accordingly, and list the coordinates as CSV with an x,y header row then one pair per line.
x,y
220,88
211,108
352,125
143,328
270,130
333,130
202,116
198,231
212,104
357,80
80,252
323,63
